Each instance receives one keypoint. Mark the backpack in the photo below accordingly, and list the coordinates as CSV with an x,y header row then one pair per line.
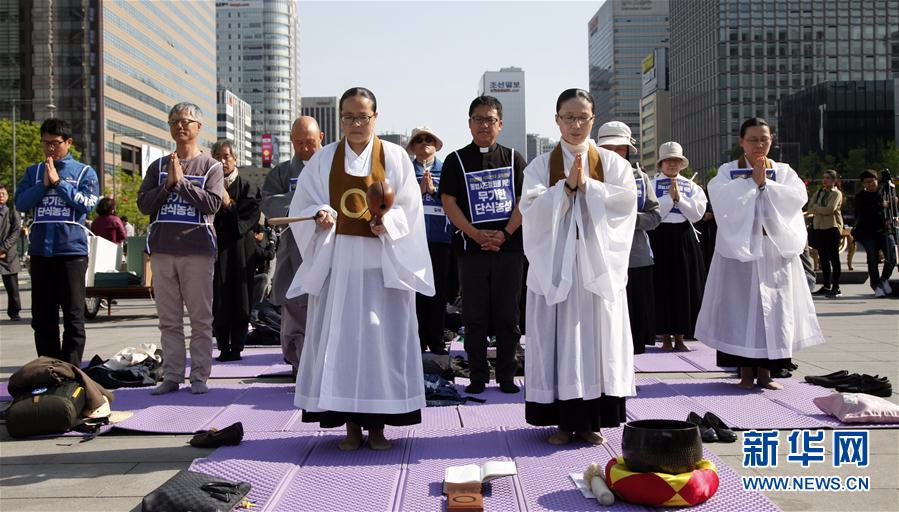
x,y
266,321
439,392
46,411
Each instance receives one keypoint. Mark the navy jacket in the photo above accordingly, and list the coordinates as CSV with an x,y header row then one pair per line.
x,y
438,229
77,192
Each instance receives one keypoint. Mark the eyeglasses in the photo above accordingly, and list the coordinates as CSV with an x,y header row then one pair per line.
x,y
182,123
426,138
763,141
363,120
571,120
52,144
489,121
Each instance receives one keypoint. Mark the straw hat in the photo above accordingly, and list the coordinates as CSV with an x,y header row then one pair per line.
x,y
418,130
615,133
672,150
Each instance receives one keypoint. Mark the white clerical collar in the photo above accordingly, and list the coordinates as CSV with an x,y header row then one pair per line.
x,y
484,150
358,165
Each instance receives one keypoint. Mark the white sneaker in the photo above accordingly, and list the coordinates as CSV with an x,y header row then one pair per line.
x,y
887,289
878,292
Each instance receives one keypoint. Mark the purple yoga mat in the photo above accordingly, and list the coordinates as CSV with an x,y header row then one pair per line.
x,y
741,408
268,460
253,362
492,415
433,451
545,489
656,360
492,394
263,408
703,357
174,413
657,400
4,391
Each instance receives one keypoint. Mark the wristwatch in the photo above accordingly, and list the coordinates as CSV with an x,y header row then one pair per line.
x,y
506,234
54,183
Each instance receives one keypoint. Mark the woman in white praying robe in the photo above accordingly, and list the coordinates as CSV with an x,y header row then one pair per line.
x,y
578,208
679,270
757,307
361,364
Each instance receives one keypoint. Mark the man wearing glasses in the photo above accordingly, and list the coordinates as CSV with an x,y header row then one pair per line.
x,y
480,189
431,311
280,182
181,193
60,192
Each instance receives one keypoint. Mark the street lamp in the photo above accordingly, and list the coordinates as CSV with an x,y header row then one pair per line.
x,y
135,135
16,102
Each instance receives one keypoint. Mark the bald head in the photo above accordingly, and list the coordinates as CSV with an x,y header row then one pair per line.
x,y
306,137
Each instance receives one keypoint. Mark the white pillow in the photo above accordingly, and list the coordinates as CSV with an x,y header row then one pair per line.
x,y
858,408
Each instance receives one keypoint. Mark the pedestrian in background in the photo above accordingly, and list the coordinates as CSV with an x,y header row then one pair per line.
x,y
10,229
825,207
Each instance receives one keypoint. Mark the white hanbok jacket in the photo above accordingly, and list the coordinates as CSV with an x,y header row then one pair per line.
x,y
757,303
361,352
579,338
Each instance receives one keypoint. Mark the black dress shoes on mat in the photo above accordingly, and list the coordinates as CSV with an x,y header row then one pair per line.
x,y
706,432
877,386
724,433
832,380
212,438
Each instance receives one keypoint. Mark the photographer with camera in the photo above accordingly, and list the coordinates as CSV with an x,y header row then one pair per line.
x,y
875,228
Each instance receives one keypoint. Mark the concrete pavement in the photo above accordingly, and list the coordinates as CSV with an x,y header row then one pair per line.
x,y
114,471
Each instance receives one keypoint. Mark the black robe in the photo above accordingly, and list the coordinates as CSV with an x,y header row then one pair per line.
x,y
234,269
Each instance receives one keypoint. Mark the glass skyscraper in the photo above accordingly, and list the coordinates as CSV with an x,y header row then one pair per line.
x,y
620,35
732,60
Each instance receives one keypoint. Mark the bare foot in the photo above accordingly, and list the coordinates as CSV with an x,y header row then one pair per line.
x,y
681,347
745,385
591,437
353,438
377,441
559,437
666,343
770,384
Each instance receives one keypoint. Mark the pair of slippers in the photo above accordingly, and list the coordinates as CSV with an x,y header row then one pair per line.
x,y
712,429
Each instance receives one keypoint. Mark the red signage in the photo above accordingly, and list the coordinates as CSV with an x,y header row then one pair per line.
x,y
266,150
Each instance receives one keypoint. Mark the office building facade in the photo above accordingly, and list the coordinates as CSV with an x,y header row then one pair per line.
x,y
620,34
732,60
507,85
833,118
655,109
235,123
257,58
113,70
538,145
324,110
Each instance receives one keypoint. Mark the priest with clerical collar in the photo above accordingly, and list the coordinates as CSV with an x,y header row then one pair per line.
x,y
361,362
480,188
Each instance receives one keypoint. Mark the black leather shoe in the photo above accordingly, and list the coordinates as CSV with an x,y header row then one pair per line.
x,y
707,433
852,378
509,387
475,388
724,433
214,438
835,375
821,291
877,386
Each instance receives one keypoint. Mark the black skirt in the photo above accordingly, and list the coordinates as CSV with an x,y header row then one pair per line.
x,y
368,421
678,276
577,415
730,360
641,307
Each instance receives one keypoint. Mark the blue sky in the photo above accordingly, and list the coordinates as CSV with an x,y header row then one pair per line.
x,y
423,59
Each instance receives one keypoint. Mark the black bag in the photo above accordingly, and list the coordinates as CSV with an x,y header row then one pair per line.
x,y
46,411
266,321
195,492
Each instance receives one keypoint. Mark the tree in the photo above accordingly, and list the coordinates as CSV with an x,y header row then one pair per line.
x,y
28,149
127,186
